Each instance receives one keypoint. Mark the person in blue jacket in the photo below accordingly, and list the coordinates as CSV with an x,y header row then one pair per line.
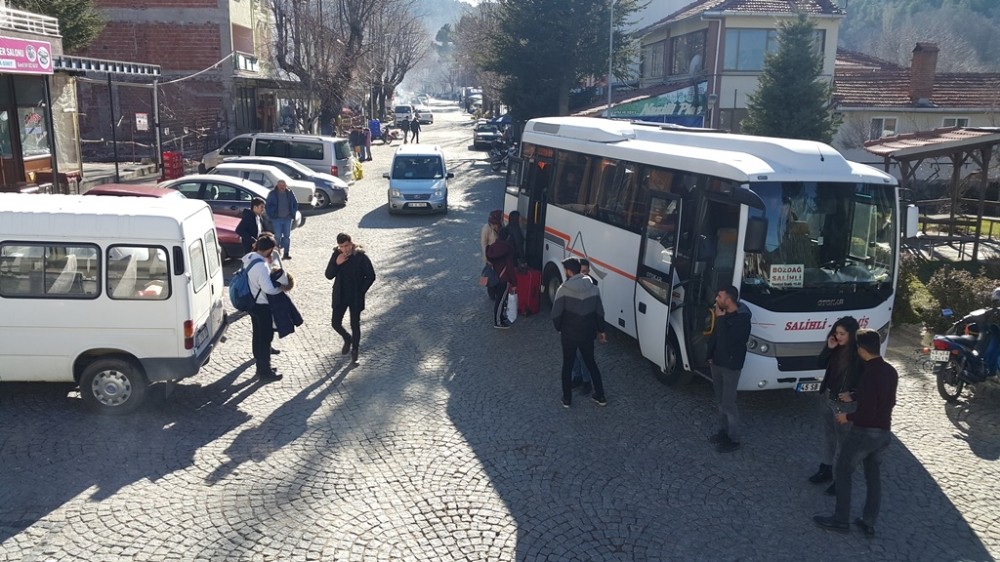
x,y
281,208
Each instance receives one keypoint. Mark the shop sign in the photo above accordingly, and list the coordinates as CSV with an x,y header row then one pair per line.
x,y
141,121
21,56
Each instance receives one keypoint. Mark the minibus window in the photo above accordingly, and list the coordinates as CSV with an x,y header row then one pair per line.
x,y
49,271
138,273
212,250
199,275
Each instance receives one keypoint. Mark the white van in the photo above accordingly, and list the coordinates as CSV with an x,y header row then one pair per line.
x,y
269,176
418,180
327,155
112,293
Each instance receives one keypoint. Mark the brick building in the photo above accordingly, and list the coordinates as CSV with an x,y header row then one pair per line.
x,y
216,80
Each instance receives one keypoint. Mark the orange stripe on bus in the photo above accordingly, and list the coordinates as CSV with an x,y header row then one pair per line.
x,y
603,264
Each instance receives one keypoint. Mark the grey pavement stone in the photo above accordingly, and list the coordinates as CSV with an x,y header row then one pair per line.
x,y
447,441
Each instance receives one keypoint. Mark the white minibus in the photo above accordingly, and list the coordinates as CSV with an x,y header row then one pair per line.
x,y
113,294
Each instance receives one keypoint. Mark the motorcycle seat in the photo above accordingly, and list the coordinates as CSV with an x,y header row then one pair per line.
x,y
965,341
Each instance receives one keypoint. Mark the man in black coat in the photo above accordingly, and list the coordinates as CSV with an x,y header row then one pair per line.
x,y
415,127
353,275
727,350
251,224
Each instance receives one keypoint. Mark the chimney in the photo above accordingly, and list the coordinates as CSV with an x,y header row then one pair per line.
x,y
922,69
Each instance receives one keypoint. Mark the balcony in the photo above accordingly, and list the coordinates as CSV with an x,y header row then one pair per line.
x,y
28,22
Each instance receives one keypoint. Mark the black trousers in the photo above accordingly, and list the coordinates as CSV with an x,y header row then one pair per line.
x,y
499,300
586,349
263,334
338,324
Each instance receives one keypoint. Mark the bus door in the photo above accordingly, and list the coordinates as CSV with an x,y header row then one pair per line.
x,y
534,197
654,279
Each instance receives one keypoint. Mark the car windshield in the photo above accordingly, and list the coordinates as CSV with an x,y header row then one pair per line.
x,y
417,168
822,236
486,128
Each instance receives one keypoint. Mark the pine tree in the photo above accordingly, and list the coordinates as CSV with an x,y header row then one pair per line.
x,y
791,100
79,20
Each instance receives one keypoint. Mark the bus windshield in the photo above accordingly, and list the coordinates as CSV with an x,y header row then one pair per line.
x,y
824,238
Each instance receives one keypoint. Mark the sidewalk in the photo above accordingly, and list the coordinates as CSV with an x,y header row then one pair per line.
x,y
96,173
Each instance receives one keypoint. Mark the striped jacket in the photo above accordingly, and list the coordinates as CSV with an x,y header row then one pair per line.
x,y
577,310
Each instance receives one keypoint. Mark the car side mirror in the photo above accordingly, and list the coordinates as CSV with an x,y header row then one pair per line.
x,y
450,175
385,175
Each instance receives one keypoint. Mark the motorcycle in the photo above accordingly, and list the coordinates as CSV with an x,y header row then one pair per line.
x,y
968,352
500,154
387,134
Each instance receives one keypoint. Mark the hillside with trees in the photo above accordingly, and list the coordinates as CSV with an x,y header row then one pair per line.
x,y
965,31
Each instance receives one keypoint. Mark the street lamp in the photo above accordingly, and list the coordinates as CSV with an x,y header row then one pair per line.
x,y
611,48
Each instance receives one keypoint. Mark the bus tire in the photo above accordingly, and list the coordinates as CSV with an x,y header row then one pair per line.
x,y
113,385
552,283
674,373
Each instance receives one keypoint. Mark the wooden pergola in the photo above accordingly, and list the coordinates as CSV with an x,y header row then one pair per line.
x,y
960,145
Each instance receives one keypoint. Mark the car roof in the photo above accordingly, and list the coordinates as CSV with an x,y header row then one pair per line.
x,y
132,190
255,187
419,150
229,165
276,159
291,136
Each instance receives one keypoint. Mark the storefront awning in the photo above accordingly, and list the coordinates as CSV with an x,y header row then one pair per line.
x,y
68,63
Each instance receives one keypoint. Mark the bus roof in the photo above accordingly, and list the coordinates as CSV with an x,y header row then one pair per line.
x,y
743,158
76,216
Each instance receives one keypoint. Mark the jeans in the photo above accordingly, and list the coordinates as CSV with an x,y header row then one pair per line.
x,y
263,334
338,325
586,350
863,445
500,303
283,233
724,382
833,432
580,371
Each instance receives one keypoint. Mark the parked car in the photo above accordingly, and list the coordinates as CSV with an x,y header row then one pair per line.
x,y
225,225
419,180
426,115
225,195
269,176
330,190
329,155
402,111
485,134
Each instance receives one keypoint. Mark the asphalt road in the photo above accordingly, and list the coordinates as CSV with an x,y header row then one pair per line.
x,y
447,441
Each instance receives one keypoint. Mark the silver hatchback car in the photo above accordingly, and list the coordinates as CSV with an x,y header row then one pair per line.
x,y
418,181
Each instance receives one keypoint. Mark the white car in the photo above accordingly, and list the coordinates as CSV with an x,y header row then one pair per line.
x,y
269,176
426,115
330,190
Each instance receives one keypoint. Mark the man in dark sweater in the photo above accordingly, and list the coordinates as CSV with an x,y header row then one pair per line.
x,y
353,275
727,351
578,314
868,439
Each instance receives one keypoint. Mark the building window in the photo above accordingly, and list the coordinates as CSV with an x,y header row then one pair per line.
x,y
688,53
955,122
882,127
652,60
747,48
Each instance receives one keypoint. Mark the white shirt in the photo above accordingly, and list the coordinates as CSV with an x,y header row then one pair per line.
x,y
259,278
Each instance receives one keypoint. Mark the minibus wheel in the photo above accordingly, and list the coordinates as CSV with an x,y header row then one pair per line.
x,y
113,386
673,374
552,283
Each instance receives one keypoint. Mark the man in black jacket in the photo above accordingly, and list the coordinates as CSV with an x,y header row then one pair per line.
x,y
727,350
578,315
354,275
868,439
251,224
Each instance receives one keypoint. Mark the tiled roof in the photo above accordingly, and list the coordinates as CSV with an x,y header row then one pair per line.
x,y
853,61
912,144
749,7
891,88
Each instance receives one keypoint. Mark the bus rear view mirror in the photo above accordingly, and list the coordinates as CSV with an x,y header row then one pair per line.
x,y
912,221
756,235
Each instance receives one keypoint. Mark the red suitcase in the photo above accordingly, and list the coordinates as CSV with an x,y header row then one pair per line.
x,y
529,292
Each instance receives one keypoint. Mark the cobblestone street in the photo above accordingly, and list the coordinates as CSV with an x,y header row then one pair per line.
x,y
448,442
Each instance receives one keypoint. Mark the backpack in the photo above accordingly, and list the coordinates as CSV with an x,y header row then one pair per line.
x,y
239,288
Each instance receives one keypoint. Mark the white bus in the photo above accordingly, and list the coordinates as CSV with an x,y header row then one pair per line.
x,y
668,216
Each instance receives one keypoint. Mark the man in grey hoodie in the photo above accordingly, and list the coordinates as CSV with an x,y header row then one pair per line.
x,y
578,314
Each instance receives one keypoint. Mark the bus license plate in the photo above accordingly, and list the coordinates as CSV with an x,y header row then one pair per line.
x,y
418,204
940,355
807,387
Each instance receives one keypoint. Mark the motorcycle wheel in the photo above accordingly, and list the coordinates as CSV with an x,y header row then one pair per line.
x,y
949,384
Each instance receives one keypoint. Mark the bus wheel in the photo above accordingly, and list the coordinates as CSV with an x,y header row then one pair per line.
x,y
112,386
674,373
552,283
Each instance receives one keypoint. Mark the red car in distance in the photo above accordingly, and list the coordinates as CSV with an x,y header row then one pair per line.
x,y
225,226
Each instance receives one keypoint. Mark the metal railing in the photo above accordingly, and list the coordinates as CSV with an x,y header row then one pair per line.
x,y
20,20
